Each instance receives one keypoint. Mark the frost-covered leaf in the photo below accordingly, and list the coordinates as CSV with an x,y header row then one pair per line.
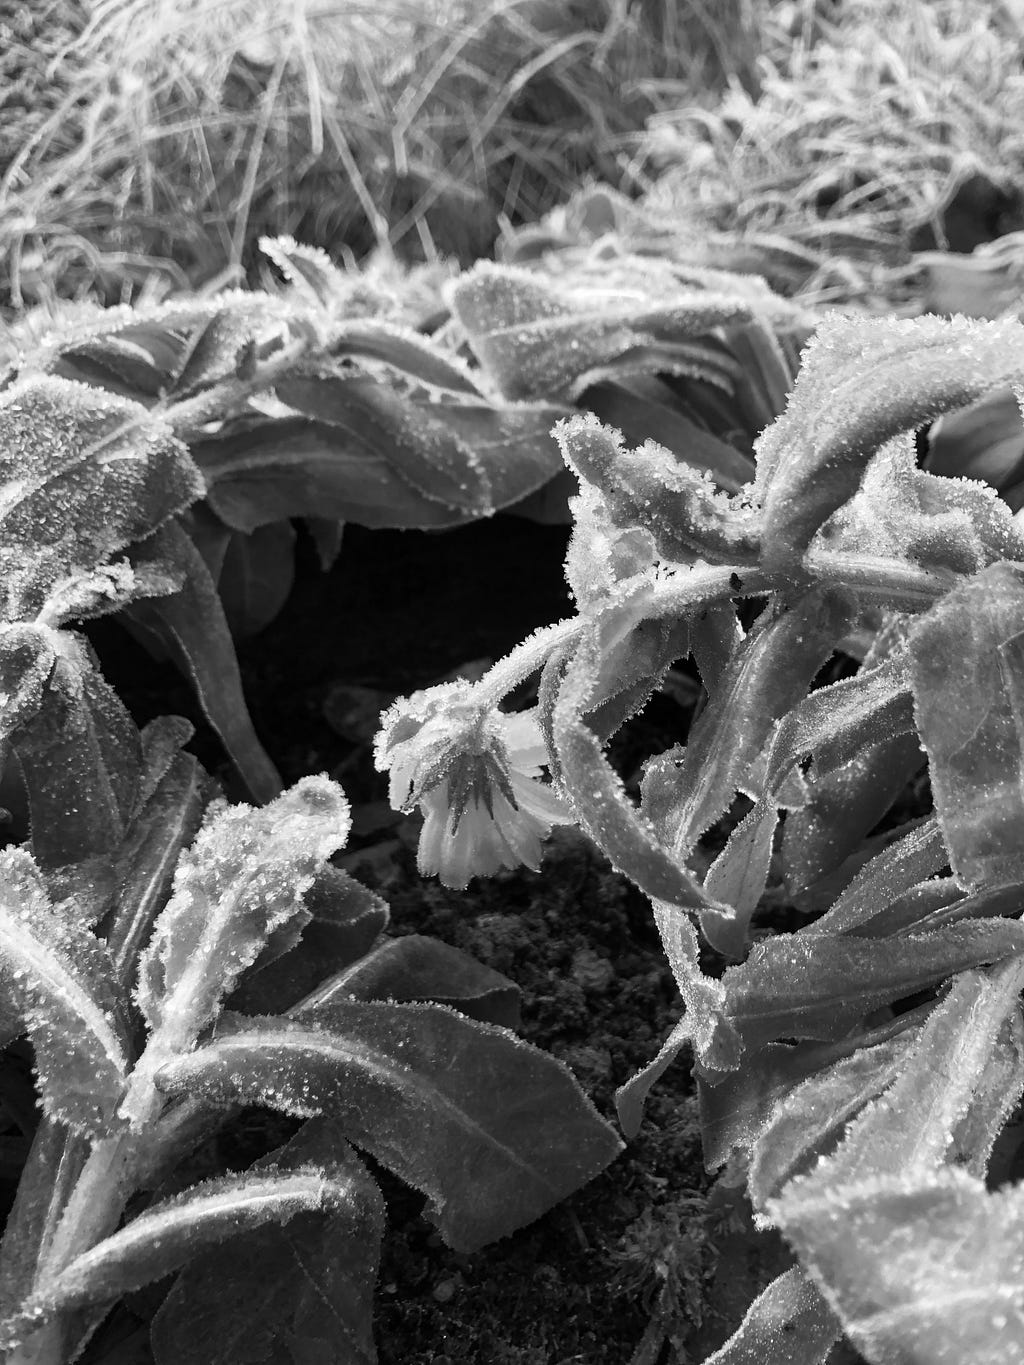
x,y
600,802
415,1086
768,674
406,352
345,921
375,456
813,1116
304,1286
58,976
244,876
167,823
646,409
192,627
704,1027
651,488
861,382
539,340
737,879
311,272
416,967
735,1108
820,986
921,1268
789,1323
82,474
168,1233
890,874
77,746
912,1125
982,441
968,676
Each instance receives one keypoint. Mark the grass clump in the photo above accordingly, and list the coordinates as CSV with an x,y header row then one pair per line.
x,y
880,128
167,136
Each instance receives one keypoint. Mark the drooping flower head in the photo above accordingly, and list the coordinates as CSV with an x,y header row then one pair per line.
x,y
475,772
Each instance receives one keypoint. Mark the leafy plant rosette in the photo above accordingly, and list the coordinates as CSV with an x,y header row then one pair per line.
x,y
857,1065
238,966
152,461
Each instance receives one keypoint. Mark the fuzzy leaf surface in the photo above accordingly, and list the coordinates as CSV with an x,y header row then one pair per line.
x,y
82,474
294,1293
59,978
540,341
243,877
415,1086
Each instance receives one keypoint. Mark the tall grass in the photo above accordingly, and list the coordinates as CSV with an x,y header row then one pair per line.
x,y
888,128
167,135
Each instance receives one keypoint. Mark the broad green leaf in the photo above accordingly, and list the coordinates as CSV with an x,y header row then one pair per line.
x,y
863,381
191,626
538,340
77,746
244,876
789,1323
82,474
168,1233
304,1286
967,660
59,978
921,1268
414,1085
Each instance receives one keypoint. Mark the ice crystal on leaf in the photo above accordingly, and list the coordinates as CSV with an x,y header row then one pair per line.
x,y
474,772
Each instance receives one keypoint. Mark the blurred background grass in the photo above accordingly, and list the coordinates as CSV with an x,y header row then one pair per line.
x,y
148,144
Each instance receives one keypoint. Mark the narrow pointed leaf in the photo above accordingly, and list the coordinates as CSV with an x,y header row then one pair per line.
x,y
78,748
967,655
192,627
59,977
800,986
769,673
789,1323
414,1086
168,1233
305,1286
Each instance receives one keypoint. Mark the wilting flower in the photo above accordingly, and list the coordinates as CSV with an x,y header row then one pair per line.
x,y
475,773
